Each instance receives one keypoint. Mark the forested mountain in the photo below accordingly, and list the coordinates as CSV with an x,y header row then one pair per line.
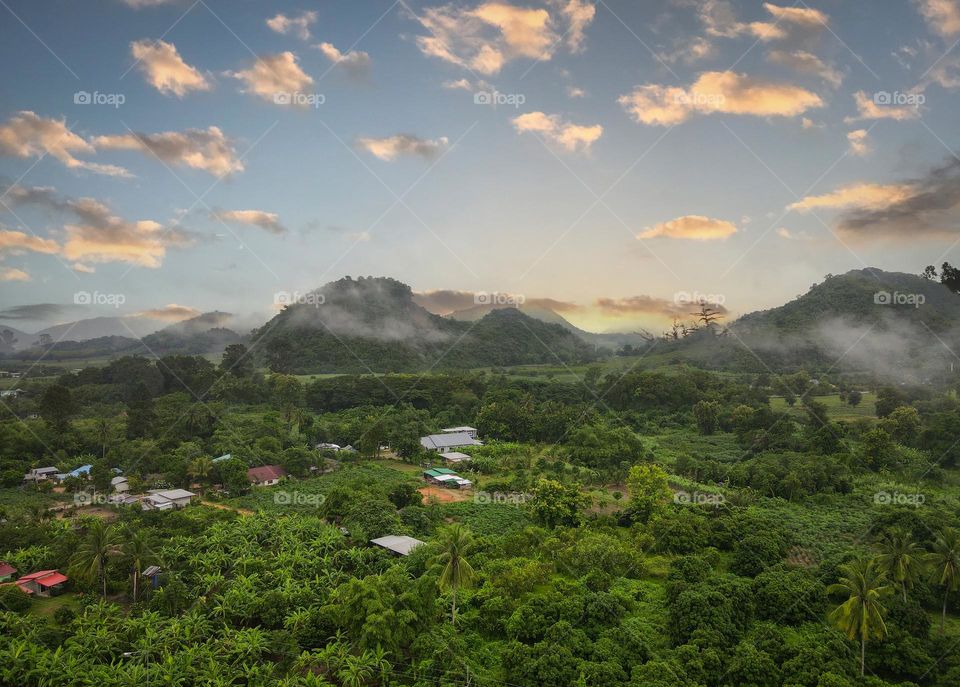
x,y
373,324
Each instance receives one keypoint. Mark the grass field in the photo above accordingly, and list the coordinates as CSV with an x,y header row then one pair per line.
x,y
836,409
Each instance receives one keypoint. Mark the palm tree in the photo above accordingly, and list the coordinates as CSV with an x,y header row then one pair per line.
x,y
901,558
90,559
137,548
455,542
200,468
944,562
861,615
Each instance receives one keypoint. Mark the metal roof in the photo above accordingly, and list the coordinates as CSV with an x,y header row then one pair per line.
x,y
397,543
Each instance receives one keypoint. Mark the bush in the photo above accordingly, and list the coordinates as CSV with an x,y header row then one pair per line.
x,y
14,599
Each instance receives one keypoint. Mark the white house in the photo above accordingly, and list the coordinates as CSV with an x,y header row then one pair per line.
x,y
444,442
40,474
120,485
166,499
472,431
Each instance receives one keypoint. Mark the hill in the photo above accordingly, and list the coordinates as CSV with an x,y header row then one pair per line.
x,y
373,324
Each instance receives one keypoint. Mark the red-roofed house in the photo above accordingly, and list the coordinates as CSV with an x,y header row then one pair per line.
x,y
266,475
43,583
7,571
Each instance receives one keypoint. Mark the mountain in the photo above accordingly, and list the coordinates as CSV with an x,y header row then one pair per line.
x,y
612,341
12,339
372,324
866,320
97,327
204,333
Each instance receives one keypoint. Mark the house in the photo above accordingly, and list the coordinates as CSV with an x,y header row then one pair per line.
x,y
455,457
123,499
11,393
40,474
266,475
472,431
444,442
120,485
82,471
447,478
43,583
7,571
399,544
166,499
432,474
323,446
153,574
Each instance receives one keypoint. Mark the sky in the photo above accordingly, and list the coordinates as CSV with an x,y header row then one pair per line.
x,y
609,159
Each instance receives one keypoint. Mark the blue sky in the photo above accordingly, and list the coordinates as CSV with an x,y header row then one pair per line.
x,y
694,125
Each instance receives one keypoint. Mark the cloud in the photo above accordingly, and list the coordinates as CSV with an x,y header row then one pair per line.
x,y
868,108
859,196
927,207
298,26
458,84
446,301
96,235
13,274
859,142
688,51
942,16
570,137
35,311
204,149
789,23
485,37
17,242
695,227
575,92
165,70
393,147
170,313
807,63
26,134
717,92
80,267
272,76
356,63
648,305
268,221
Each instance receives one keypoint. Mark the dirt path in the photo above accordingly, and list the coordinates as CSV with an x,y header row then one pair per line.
x,y
221,506
444,495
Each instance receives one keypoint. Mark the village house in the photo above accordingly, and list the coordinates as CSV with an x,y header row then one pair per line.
x,y
40,474
454,457
445,442
447,478
471,431
43,583
166,499
120,484
398,544
266,475
7,571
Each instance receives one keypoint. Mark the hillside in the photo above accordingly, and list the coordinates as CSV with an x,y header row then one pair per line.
x,y
373,324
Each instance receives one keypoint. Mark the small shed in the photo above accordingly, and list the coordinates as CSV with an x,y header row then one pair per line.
x,y
7,571
43,583
398,544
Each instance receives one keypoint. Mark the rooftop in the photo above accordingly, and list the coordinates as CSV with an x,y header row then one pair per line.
x,y
397,543
439,442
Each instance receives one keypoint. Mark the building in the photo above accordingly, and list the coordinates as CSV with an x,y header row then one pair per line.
x,y
43,583
40,474
7,571
266,475
120,485
11,393
398,544
447,478
455,457
82,471
153,574
166,499
445,442
472,431
324,446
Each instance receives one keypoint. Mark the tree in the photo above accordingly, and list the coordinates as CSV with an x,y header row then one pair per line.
x,y
900,558
96,548
929,272
200,469
854,397
861,615
903,424
56,407
140,412
553,503
707,415
950,277
236,362
455,542
649,487
136,547
944,562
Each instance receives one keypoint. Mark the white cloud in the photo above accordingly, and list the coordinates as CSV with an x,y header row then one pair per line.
x,y
165,70
857,196
392,147
13,274
718,92
26,134
205,149
807,63
693,227
859,142
570,137
272,76
268,221
17,242
719,18
943,16
171,313
868,108
298,26
356,62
